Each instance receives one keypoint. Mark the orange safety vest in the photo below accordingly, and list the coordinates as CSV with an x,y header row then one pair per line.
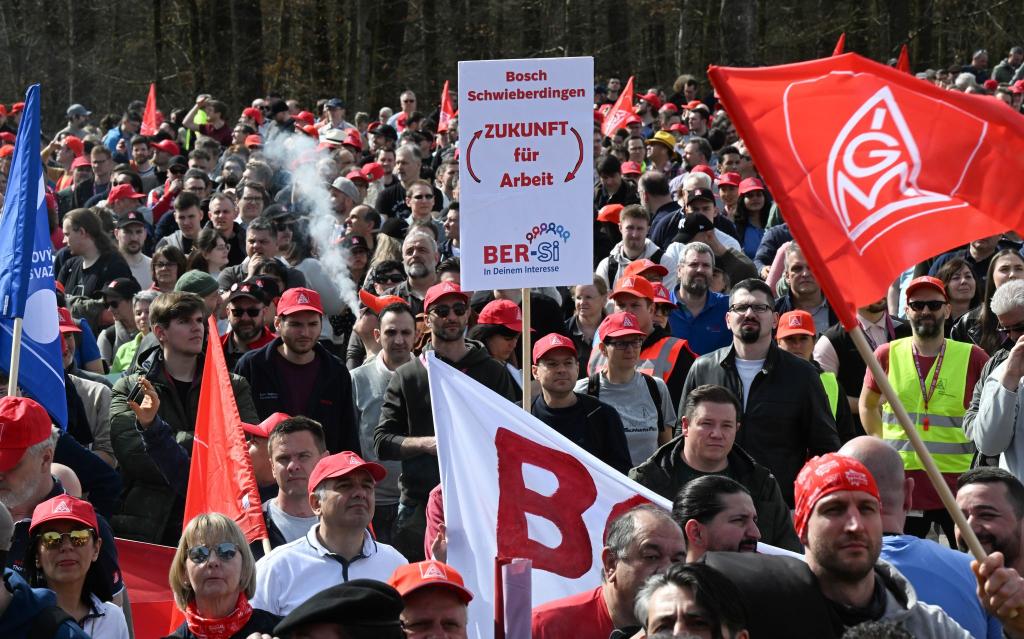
x,y
658,359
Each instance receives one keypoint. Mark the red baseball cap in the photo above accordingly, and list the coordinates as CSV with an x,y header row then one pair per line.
x,y
299,299
693,104
373,171
429,574
437,291
670,107
610,213
679,128
632,119
503,313
305,116
926,281
75,144
357,176
81,161
661,295
751,184
65,323
254,113
706,170
8,137
631,168
17,107
633,285
5,150
253,140
166,146
64,508
652,99
642,265
729,179
795,323
551,342
342,464
377,303
352,138
23,423
123,192
263,428
619,325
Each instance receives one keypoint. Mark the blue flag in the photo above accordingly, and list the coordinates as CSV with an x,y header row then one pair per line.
x,y
27,287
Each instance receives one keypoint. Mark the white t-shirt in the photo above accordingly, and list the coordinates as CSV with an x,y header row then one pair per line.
x,y
291,527
748,370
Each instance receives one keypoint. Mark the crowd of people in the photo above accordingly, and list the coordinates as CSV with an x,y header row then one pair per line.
x,y
702,360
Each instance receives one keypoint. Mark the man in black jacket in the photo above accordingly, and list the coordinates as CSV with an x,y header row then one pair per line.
x,y
295,374
786,417
406,428
707,447
587,421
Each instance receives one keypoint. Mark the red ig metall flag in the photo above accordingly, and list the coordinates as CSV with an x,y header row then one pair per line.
x,y
873,169
623,108
447,112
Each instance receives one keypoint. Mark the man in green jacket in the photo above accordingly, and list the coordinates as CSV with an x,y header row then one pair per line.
x,y
141,431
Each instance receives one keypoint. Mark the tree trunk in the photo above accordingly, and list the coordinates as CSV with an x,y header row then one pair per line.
x,y
247,34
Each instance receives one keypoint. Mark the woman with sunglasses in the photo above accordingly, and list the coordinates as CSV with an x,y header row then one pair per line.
x,y
212,576
62,557
498,328
979,325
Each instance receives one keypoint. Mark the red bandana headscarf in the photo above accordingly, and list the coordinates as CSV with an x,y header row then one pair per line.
x,y
824,475
221,628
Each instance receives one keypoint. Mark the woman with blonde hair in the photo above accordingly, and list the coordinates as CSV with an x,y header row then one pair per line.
x,y
213,576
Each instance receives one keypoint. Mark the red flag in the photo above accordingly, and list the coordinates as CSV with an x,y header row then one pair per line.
x,y
623,108
873,170
447,112
840,44
903,62
221,476
145,568
150,118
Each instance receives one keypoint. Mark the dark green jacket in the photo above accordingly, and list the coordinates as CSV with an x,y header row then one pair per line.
x,y
151,511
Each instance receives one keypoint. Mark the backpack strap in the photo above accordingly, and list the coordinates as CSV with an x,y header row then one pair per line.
x,y
47,622
652,388
657,255
594,385
613,270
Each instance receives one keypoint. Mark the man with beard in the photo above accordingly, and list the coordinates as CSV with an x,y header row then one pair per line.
x,y
804,292
785,410
941,576
934,378
992,500
406,428
420,257
716,513
246,305
223,212
699,315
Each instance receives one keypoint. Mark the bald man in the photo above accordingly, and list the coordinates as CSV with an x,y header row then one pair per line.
x,y
940,575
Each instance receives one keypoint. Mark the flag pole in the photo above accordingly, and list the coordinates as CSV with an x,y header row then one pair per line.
x,y
941,487
12,379
527,358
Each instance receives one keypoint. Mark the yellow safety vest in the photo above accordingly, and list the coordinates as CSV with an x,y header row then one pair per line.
x,y
944,438
831,384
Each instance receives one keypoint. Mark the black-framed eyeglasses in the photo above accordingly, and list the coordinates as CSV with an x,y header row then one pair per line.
x,y
442,310
201,554
251,311
389,278
743,308
1004,331
931,305
78,538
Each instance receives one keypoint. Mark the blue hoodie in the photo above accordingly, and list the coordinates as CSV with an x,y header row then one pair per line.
x,y
16,621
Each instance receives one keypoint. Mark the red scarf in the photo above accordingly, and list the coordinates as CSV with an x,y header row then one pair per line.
x,y
222,628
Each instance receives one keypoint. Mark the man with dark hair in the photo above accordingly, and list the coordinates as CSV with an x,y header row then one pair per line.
x,y
637,544
296,374
785,412
116,139
699,313
261,245
363,221
694,599
804,293
246,306
188,216
716,514
655,197
216,126
613,189
634,221
147,434
706,448
993,502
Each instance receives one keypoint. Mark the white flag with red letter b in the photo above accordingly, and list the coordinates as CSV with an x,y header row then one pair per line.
x,y
513,487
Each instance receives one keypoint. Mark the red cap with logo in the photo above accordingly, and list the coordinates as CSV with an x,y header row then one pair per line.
x,y
633,285
373,171
619,325
824,475
661,294
357,176
123,192
66,323
729,179
299,299
353,139
751,184
23,423
378,303
342,464
926,281
795,323
263,428
610,213
437,291
551,342
503,313
253,140
429,574
631,169
642,265
64,508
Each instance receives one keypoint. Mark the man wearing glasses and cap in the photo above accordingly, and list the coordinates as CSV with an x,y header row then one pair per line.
x,y
934,378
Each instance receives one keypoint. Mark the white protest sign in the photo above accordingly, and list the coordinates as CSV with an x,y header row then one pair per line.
x,y
526,172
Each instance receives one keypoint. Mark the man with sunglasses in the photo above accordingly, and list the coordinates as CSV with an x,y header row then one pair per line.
x,y
785,412
934,378
246,305
406,428
994,405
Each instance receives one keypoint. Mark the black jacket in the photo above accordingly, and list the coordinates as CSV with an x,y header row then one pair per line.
x,y
330,403
407,412
602,435
786,419
659,473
